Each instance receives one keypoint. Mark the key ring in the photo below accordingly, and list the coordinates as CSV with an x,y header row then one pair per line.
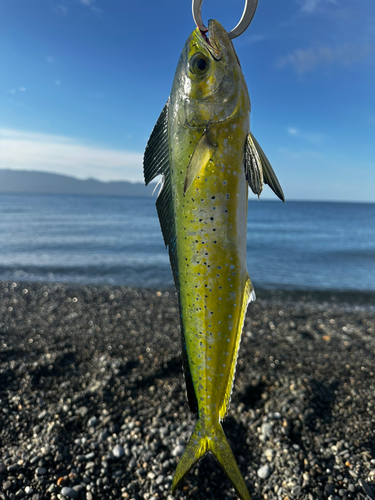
x,y
247,17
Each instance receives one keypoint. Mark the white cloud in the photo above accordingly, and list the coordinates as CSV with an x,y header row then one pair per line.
x,y
95,10
313,138
292,131
90,3
22,89
61,10
303,60
50,59
57,82
311,5
36,151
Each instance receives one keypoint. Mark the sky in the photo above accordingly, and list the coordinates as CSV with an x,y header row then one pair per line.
x,y
82,83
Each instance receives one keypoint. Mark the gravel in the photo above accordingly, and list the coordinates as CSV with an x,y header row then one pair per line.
x,y
264,471
93,405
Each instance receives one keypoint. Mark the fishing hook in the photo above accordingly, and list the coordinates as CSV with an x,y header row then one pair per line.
x,y
247,17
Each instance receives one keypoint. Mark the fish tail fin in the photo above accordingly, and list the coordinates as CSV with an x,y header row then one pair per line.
x,y
210,438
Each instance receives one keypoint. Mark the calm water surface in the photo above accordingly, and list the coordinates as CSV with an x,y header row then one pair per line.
x,y
117,240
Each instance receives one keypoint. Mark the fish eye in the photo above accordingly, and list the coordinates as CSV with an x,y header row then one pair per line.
x,y
199,64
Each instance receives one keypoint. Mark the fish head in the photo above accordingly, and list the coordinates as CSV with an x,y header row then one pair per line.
x,y
209,78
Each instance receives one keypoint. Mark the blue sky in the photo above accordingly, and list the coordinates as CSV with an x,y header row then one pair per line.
x,y
82,83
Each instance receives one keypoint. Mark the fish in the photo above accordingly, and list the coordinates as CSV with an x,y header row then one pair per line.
x,y
202,147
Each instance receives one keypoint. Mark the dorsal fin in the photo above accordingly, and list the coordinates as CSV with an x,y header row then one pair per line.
x,y
156,157
156,162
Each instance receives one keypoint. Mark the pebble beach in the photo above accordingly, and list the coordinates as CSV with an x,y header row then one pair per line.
x,y
93,403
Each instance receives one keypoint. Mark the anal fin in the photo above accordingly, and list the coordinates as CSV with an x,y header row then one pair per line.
x,y
248,296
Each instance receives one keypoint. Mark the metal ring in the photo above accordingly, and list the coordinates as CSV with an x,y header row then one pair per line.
x,y
247,17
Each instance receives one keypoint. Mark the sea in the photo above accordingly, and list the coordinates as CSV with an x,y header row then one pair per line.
x,y
117,241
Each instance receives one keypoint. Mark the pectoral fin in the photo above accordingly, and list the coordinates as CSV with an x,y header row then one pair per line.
x,y
258,169
203,154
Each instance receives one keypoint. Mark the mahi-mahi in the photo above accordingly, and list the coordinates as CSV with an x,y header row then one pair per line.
x,y
203,148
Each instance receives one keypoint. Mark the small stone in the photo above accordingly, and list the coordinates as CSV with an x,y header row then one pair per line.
x,y
132,463
269,454
159,479
61,480
83,411
116,473
329,489
103,435
41,471
7,485
12,468
118,451
177,451
2,468
92,422
266,430
264,472
69,492
296,490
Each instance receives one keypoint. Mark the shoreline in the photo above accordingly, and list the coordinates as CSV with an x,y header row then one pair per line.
x,y
93,402
287,294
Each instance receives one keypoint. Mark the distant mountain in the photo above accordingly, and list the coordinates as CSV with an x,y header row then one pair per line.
x,y
25,181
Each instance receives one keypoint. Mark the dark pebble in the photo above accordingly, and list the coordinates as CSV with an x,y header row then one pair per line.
x,y
69,492
7,485
329,489
366,488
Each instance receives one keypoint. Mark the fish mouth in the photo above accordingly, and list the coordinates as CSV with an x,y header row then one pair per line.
x,y
210,39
